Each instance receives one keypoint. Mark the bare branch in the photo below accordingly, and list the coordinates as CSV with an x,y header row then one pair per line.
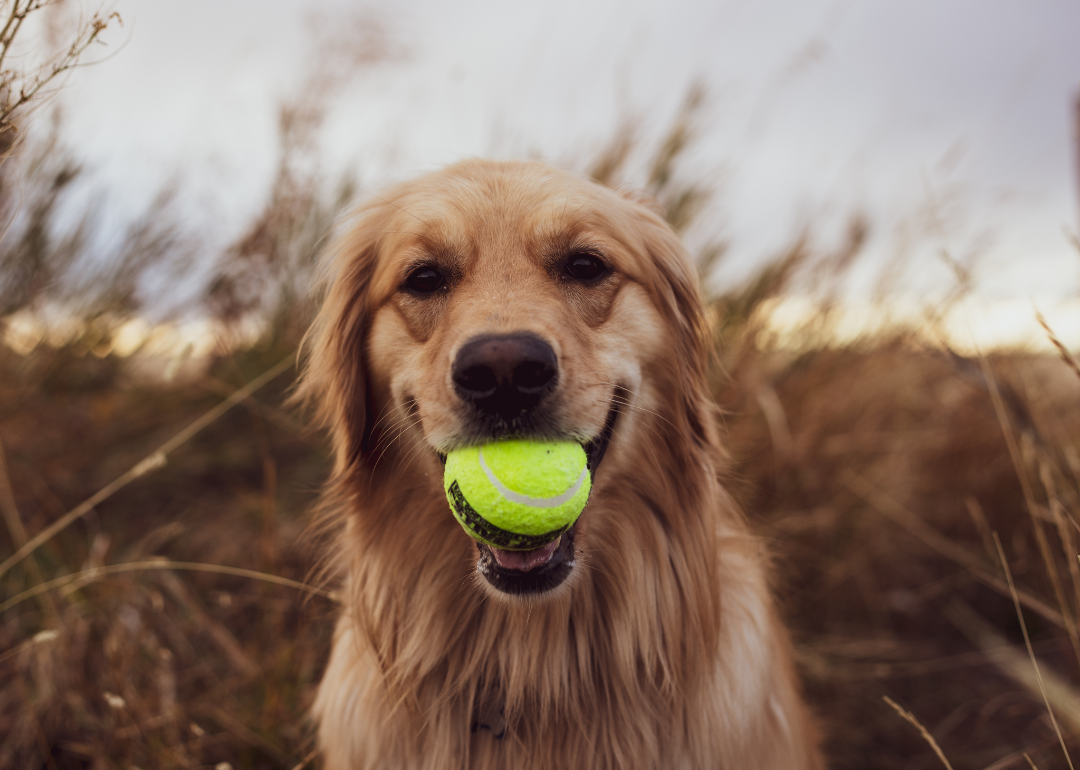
x,y
20,88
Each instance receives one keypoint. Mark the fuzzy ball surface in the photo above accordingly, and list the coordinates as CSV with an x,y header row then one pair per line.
x,y
517,495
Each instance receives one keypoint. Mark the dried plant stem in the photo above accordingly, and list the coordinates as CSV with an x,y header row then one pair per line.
x,y
1031,651
16,529
238,728
149,463
1016,664
311,755
900,515
7,502
90,575
907,715
269,496
1065,532
1029,500
1052,570
1014,758
979,518
19,87
1063,351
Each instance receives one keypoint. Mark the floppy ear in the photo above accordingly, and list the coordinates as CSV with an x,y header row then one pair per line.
x,y
678,298
334,375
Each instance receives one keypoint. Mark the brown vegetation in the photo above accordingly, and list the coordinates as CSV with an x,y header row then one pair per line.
x,y
880,476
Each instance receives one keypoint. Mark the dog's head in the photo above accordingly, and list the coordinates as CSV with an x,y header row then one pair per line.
x,y
496,299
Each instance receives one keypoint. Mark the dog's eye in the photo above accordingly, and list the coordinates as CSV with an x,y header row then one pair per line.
x,y
585,267
424,280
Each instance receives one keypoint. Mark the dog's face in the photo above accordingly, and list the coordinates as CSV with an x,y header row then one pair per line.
x,y
506,299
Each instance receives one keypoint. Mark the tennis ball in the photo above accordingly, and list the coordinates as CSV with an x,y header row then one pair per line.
x,y
517,495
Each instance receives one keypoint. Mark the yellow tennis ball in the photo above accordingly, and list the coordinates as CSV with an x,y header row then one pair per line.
x,y
517,495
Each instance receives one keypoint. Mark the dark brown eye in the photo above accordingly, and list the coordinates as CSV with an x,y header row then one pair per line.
x,y
585,267
424,280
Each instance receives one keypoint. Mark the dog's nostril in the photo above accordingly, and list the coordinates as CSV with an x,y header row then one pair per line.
x,y
532,376
505,375
479,380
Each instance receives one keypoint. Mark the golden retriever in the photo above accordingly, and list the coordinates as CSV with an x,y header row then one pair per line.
x,y
495,299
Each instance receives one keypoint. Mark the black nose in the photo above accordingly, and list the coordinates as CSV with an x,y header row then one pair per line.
x,y
507,375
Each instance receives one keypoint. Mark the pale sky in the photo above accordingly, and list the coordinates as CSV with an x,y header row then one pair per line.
x,y
817,108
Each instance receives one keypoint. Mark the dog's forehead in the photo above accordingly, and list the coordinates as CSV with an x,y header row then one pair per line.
x,y
512,217
496,206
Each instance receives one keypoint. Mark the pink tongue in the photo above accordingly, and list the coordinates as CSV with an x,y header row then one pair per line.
x,y
525,560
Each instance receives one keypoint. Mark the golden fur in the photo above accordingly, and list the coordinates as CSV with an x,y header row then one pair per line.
x,y
662,649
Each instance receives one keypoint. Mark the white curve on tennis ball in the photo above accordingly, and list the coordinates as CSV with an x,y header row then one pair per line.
x,y
533,502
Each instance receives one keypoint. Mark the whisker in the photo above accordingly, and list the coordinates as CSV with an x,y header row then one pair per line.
x,y
387,412
401,428
594,568
621,400
633,408
418,445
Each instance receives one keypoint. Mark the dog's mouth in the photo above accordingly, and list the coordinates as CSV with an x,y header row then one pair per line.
x,y
545,568
528,572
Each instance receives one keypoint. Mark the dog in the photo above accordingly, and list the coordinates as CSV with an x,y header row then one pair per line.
x,y
511,299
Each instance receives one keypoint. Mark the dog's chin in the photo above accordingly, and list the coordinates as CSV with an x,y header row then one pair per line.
x,y
528,573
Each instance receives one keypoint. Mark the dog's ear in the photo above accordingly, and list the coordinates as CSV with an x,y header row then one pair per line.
x,y
677,295
334,375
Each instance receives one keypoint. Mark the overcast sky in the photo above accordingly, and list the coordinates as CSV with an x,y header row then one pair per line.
x,y
817,109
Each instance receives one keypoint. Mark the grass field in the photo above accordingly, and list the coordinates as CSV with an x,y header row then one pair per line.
x,y
880,475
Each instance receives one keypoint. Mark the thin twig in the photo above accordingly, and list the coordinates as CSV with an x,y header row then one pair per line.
x,y
922,730
149,463
900,515
1029,497
1031,652
21,87
1065,532
1011,759
1014,663
311,755
16,529
1063,351
165,564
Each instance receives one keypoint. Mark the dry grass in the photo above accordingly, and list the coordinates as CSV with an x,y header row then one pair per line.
x,y
157,667
883,501
881,496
